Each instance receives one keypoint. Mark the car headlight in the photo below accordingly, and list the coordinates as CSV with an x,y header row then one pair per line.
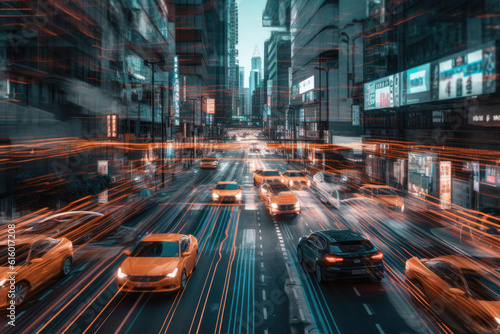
x,y
3,283
402,208
173,273
291,182
274,205
238,196
215,196
121,274
308,183
297,205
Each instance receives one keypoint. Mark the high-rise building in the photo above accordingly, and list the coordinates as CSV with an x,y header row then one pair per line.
x,y
255,74
233,72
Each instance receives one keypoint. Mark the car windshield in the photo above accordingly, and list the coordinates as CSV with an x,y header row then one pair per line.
x,y
296,174
145,193
481,286
21,254
271,173
227,186
328,178
278,188
352,247
384,191
156,249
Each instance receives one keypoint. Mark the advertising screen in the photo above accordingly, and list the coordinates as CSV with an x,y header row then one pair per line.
x,y
382,93
416,85
461,75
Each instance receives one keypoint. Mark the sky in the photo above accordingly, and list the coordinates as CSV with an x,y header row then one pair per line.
x,y
251,32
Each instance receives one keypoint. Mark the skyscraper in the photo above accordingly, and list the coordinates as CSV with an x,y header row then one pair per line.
x,y
255,74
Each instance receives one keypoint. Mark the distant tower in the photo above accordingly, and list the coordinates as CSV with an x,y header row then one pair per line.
x,y
255,74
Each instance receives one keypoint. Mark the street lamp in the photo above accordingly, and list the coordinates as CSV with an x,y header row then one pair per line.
x,y
327,71
153,63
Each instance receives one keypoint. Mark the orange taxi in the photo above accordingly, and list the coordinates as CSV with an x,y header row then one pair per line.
x,y
159,263
295,178
265,175
227,192
384,196
209,163
35,260
279,199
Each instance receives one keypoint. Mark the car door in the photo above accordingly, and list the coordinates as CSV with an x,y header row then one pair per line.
x,y
257,177
311,250
42,262
264,193
188,260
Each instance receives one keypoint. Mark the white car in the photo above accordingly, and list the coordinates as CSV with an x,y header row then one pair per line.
x,y
331,190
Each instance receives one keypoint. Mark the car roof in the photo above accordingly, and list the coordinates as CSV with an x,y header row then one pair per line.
x,y
341,235
69,213
462,262
227,182
376,186
164,237
27,239
293,170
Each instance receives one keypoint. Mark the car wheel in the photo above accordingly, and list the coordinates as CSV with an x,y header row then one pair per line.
x,y
300,255
21,291
66,267
183,279
319,274
254,183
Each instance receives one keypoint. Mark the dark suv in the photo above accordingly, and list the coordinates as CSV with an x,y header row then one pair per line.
x,y
340,254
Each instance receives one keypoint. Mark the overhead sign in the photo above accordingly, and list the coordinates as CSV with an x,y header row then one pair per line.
x,y
112,126
306,85
445,183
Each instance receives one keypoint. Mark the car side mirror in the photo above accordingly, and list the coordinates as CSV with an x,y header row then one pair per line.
x,y
36,260
126,252
456,292
240,187
186,254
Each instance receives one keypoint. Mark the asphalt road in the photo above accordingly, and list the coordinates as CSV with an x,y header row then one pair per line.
x,y
247,278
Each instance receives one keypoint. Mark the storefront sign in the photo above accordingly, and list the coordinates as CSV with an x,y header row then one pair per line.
x,y
102,167
445,183
103,197
491,174
355,115
380,93
476,173
306,85
210,106
416,85
112,126
175,91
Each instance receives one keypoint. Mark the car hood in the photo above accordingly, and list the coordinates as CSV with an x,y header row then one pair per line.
x,y
492,307
222,192
298,178
149,266
389,200
285,197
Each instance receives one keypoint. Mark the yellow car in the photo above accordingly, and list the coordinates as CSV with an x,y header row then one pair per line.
x,y
295,178
159,263
462,292
209,163
35,259
265,175
384,196
227,192
279,199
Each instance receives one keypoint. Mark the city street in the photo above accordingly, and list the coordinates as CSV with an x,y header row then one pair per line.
x,y
247,277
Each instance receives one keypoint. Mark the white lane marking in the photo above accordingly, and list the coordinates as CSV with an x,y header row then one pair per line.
x,y
260,231
260,238
301,314
295,294
357,292
262,264
380,329
196,207
45,295
264,310
263,294
260,246
368,309
262,278
266,331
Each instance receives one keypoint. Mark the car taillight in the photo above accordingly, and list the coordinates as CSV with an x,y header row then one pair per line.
x,y
333,259
377,256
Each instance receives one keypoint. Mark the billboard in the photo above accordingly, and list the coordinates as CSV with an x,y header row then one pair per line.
x,y
381,93
210,106
112,126
445,183
470,72
416,85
